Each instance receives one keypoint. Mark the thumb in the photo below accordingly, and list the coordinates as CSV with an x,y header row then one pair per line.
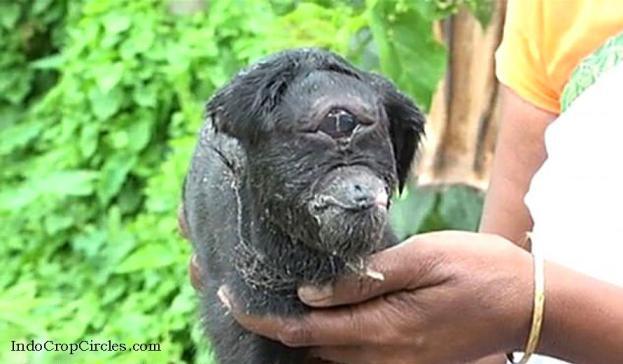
x,y
403,267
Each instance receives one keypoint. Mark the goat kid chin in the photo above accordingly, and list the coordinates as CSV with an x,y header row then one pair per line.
x,y
290,184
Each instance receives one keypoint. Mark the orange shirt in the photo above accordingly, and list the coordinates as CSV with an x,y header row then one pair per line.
x,y
544,40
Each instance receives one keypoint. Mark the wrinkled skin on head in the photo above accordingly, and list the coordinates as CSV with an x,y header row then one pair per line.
x,y
326,146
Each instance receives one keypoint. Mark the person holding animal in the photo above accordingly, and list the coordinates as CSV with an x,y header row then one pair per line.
x,y
455,297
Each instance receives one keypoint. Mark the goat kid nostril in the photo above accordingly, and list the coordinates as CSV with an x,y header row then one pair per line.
x,y
365,198
361,195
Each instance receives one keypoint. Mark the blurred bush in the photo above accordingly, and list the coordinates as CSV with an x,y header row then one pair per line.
x,y
100,101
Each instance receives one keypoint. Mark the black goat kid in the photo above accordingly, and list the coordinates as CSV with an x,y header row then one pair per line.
x,y
290,184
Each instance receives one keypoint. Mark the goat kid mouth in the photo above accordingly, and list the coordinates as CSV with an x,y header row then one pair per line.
x,y
379,201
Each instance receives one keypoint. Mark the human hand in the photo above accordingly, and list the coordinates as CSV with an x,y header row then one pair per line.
x,y
446,297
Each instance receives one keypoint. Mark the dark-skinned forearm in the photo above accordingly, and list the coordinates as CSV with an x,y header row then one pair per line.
x,y
583,321
519,153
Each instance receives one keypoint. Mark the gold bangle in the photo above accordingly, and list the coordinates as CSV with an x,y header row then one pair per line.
x,y
538,308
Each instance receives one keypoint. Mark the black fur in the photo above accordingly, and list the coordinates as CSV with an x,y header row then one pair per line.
x,y
284,185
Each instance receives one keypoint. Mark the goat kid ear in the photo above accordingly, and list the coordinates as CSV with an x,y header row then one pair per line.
x,y
406,126
242,107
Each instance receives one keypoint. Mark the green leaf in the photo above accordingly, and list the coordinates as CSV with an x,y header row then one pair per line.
x,y
16,304
15,85
409,212
139,131
115,23
108,76
113,174
55,223
66,183
90,241
141,40
105,105
9,15
89,139
39,6
113,293
482,10
59,184
150,256
18,135
461,207
47,63
14,199
145,96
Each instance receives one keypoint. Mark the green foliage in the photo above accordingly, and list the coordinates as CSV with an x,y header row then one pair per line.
x,y
422,209
481,9
100,101
408,51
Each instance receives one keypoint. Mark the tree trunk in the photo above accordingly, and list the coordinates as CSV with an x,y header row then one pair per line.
x,y
463,119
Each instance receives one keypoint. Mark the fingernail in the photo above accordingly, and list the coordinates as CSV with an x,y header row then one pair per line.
x,y
315,294
222,295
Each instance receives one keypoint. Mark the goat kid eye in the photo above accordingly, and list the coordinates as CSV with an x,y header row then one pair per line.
x,y
338,123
